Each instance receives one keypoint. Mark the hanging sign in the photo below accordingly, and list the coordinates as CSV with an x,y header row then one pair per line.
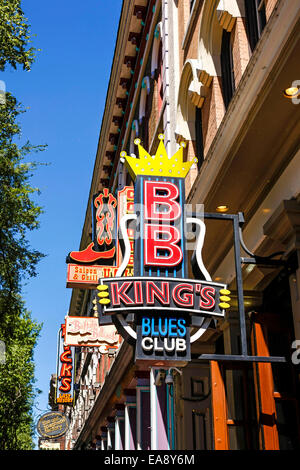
x,y
52,425
103,255
163,339
65,371
103,232
164,300
125,206
141,294
86,331
87,277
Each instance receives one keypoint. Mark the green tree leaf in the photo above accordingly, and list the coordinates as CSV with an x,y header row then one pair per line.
x,y
14,36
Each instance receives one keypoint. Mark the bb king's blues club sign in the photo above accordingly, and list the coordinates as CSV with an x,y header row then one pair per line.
x,y
165,303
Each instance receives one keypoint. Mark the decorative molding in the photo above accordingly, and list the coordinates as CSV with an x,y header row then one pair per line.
x,y
147,53
201,81
193,89
135,127
228,11
284,225
226,20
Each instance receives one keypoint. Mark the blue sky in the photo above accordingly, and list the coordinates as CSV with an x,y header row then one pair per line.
x,y
65,92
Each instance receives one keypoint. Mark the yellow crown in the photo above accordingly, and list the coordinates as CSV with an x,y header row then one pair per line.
x,y
160,164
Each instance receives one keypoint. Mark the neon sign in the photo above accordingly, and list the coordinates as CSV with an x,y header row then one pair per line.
x,y
164,301
102,247
65,370
107,212
170,294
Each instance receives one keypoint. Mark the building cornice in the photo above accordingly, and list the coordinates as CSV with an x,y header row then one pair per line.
x,y
137,78
128,23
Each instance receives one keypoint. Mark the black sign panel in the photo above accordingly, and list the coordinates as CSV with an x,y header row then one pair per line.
x,y
163,337
160,294
141,203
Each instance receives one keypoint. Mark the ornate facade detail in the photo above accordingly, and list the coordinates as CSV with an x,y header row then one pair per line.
x,y
193,89
228,11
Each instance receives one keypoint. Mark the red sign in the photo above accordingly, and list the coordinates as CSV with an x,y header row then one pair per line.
x,y
125,206
157,294
102,247
88,276
161,238
65,364
82,273
104,218
164,302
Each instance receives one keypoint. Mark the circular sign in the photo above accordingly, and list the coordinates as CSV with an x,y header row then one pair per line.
x,y
53,424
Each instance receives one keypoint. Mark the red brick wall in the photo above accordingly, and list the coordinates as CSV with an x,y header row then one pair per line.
x,y
153,115
270,5
183,18
240,49
189,154
212,113
191,50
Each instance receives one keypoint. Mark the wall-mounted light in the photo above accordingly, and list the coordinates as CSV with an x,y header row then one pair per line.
x,y
291,92
222,208
166,376
169,378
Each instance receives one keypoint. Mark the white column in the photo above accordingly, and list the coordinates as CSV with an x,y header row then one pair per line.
x,y
143,410
111,435
159,403
103,438
120,428
130,421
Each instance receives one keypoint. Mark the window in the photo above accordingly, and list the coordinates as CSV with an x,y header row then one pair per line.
x,y
160,78
144,110
228,82
199,137
255,20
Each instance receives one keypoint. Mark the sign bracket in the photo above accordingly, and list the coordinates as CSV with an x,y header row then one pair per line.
x,y
237,224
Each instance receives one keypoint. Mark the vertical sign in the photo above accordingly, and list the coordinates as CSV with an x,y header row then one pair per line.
x,y
102,246
164,301
162,334
125,206
105,248
160,252
103,215
65,370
